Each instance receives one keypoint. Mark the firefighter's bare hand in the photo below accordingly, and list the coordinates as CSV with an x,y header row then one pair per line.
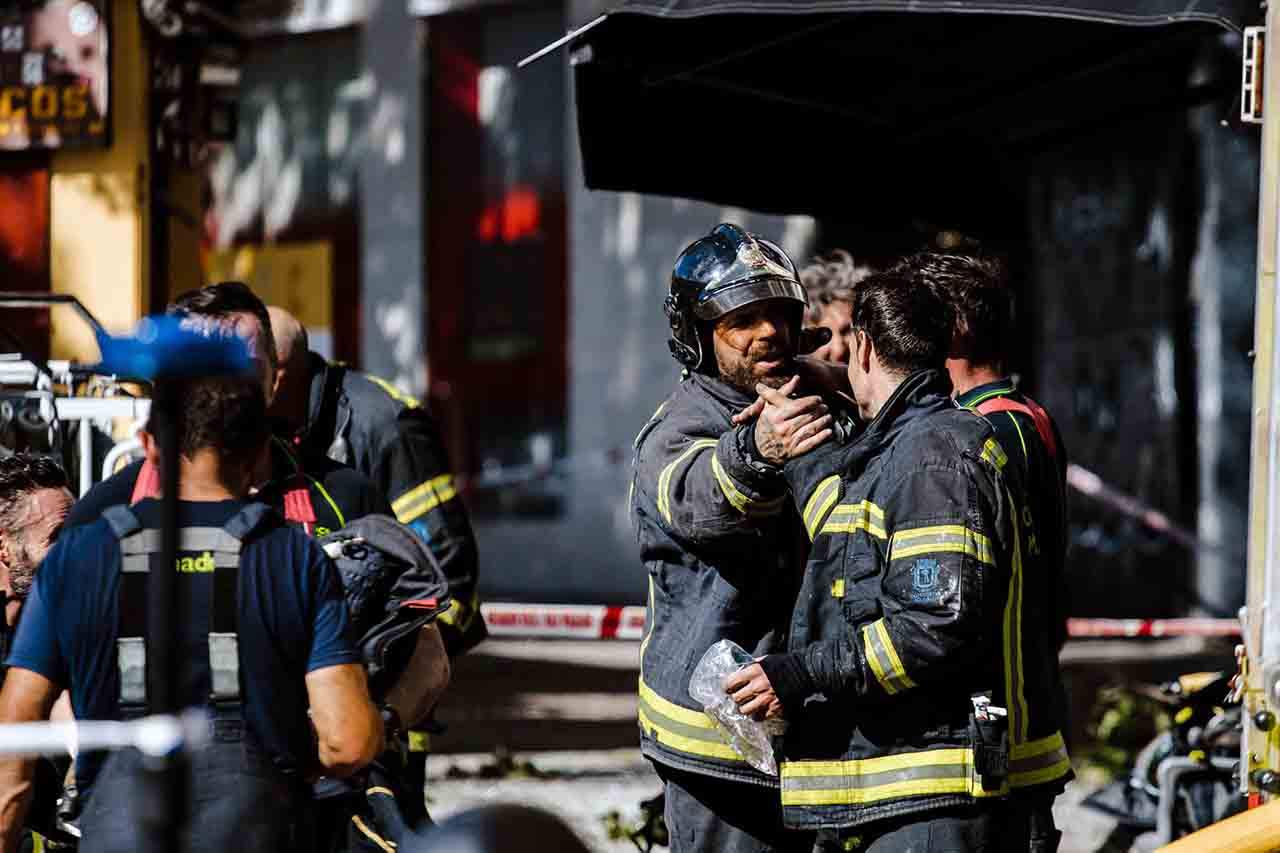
x,y
749,687
789,428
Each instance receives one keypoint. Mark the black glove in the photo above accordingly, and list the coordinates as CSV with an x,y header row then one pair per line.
x,y
812,338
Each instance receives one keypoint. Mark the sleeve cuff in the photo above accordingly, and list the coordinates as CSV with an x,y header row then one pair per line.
x,y
741,458
790,679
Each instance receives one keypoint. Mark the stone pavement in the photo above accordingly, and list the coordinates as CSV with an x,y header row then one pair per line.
x,y
583,787
565,712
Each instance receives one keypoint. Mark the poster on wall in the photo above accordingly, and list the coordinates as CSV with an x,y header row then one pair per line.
x,y
54,75
24,250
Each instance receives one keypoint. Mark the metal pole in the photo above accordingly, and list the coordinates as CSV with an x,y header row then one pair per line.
x,y
162,599
163,620
86,455
153,736
1261,749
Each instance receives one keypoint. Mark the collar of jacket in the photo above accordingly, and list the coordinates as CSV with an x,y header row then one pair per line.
x,y
284,465
722,392
921,393
982,393
318,367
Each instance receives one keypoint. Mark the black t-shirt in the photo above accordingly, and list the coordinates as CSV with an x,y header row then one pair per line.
x,y
337,494
292,620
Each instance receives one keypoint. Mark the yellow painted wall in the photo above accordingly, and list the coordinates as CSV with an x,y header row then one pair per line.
x,y
296,276
99,219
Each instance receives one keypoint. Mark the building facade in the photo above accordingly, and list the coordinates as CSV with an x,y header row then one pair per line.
x,y
400,184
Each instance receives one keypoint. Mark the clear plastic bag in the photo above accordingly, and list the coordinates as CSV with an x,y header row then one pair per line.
x,y
749,738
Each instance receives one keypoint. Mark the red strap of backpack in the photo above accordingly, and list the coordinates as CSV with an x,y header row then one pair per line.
x,y
297,504
1032,409
147,485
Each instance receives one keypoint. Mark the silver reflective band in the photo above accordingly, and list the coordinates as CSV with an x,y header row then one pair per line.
x,y
135,563
224,666
335,548
131,658
189,539
735,296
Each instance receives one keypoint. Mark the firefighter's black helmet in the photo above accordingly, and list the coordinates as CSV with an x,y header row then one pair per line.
x,y
719,273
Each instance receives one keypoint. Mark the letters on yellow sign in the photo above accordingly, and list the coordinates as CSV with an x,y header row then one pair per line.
x,y
44,103
196,565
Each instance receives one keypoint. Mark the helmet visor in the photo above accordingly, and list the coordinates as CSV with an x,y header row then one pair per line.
x,y
717,303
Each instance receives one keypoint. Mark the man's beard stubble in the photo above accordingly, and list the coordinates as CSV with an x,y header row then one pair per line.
x,y
22,573
741,375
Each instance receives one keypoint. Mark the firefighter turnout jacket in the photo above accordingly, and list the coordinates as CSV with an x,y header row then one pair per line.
x,y
369,424
1032,441
914,602
723,549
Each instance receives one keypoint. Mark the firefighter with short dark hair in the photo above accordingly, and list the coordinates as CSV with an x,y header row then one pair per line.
x,y
320,498
264,646
978,291
917,684
717,534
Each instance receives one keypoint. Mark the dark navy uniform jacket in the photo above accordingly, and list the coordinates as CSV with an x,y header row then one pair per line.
x,y
919,593
367,423
723,548
1045,480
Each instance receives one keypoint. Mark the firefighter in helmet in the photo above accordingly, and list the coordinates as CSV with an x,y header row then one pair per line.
x,y
718,535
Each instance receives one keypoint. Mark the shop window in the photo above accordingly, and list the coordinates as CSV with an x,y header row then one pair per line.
x,y
496,257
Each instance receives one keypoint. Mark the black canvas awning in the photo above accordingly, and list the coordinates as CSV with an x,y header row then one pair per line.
x,y
874,111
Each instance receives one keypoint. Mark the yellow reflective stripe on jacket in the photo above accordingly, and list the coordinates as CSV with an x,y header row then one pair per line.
x,y
682,729
656,413
871,780
849,518
648,634
664,479
1015,695
423,498
883,657
992,452
739,501
333,505
393,392
820,503
1022,439
1039,761
952,538
378,841
461,615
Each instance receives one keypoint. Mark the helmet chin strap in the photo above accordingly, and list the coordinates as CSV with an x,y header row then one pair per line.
x,y
690,357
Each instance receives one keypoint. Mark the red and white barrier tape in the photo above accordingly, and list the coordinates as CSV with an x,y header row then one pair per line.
x,y
1191,627
1088,483
604,622
564,621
